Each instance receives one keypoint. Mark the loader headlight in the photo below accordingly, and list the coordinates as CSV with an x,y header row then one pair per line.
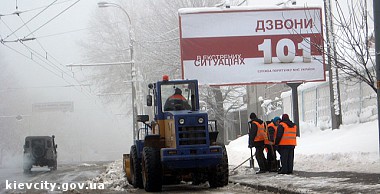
x,y
181,121
200,120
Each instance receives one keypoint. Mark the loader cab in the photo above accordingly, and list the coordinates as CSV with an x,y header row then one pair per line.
x,y
163,91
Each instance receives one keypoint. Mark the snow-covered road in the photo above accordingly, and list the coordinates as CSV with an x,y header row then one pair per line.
x,y
92,175
13,180
114,178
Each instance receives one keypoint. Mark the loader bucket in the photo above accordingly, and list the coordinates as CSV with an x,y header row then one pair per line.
x,y
127,168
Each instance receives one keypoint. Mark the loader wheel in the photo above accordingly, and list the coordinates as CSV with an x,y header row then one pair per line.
x,y
152,173
219,176
198,178
135,168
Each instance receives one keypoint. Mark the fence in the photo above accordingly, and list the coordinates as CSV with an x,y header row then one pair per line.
x,y
358,103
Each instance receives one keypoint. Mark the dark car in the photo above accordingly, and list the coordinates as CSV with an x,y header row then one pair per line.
x,y
40,151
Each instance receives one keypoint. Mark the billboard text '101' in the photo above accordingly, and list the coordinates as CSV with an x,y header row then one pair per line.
x,y
305,46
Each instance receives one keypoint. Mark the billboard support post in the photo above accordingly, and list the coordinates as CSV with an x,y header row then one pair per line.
x,y
376,13
296,114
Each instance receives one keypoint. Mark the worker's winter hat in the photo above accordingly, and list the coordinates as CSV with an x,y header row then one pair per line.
x,y
252,116
178,91
285,117
275,119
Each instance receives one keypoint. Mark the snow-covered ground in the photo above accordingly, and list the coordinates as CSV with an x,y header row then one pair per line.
x,y
344,160
351,148
113,177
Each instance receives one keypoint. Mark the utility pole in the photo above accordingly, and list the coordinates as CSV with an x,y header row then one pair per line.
x,y
103,4
335,104
376,14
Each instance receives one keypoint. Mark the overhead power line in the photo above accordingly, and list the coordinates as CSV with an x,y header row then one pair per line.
x,y
30,20
46,56
84,91
41,87
61,33
53,17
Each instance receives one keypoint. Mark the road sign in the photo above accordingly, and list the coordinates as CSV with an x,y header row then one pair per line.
x,y
53,106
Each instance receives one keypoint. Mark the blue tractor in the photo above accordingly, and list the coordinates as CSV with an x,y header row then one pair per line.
x,y
179,144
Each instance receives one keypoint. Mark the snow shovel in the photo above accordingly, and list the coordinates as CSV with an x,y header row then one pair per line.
x,y
251,162
242,163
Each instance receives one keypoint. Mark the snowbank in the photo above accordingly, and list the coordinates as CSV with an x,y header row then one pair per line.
x,y
353,147
113,178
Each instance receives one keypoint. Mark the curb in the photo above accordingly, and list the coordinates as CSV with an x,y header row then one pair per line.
x,y
267,188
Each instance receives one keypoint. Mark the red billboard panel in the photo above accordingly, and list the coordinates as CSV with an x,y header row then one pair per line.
x,y
248,45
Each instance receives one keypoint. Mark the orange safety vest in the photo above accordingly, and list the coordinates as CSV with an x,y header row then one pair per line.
x,y
260,136
177,96
266,141
290,135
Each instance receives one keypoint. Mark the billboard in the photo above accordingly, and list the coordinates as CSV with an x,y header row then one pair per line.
x,y
230,46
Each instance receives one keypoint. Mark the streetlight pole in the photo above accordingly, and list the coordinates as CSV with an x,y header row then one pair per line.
x,y
133,69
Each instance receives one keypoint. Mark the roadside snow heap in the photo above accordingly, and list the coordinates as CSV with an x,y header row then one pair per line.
x,y
113,178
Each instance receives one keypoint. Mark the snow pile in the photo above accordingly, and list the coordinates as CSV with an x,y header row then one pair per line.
x,y
325,161
238,151
364,162
87,165
351,148
113,178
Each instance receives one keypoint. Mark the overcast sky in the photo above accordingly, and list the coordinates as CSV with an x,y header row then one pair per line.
x,y
58,38
54,38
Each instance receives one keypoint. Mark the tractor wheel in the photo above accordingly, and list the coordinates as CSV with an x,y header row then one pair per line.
x,y
219,176
152,173
135,168
198,178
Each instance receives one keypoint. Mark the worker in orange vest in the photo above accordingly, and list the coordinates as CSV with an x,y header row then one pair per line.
x,y
176,102
269,144
256,136
286,140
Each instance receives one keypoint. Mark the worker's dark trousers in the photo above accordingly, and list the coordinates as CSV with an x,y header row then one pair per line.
x,y
271,158
287,158
260,157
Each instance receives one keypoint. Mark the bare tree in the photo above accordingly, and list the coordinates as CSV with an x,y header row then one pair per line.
x,y
220,101
354,39
348,48
155,26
